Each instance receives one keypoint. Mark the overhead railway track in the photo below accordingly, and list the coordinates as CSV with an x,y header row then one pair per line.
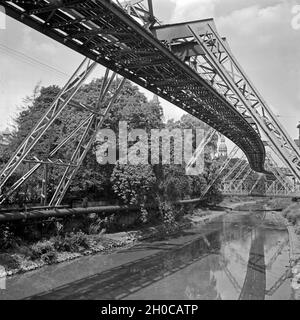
x,y
105,33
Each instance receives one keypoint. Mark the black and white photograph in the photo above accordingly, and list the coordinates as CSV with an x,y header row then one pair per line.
x,y
149,151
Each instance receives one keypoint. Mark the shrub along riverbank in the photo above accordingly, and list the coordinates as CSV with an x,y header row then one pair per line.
x,y
25,247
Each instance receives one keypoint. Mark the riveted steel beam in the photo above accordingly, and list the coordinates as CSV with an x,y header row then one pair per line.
x,y
104,49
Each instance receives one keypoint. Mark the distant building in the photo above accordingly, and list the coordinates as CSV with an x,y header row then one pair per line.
x,y
155,100
223,151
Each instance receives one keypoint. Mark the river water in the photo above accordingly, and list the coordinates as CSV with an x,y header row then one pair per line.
x,y
242,257
238,257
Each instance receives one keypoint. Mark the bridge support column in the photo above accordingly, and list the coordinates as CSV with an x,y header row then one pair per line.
x,y
85,132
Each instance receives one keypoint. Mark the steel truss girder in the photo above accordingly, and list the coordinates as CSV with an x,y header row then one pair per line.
x,y
240,183
203,101
275,188
255,184
278,173
227,185
270,189
280,186
136,9
220,170
239,173
229,75
233,169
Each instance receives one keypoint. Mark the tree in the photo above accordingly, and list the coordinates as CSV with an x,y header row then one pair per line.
x,y
92,179
134,185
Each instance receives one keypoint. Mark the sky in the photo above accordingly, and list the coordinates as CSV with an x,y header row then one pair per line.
x,y
260,35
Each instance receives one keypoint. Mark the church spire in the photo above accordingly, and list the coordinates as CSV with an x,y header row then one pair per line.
x,y
223,152
155,99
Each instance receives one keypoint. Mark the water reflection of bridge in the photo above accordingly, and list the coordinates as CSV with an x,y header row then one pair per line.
x,y
254,286
192,267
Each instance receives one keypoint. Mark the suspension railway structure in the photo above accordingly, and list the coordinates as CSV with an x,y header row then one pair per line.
x,y
188,64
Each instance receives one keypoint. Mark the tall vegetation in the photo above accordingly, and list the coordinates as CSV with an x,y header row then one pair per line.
x,y
140,185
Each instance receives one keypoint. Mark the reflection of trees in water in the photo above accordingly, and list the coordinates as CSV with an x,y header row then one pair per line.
x,y
201,282
240,233
172,259
236,229
274,238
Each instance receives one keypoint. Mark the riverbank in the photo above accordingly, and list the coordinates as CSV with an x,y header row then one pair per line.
x,y
22,258
58,250
199,262
292,216
137,246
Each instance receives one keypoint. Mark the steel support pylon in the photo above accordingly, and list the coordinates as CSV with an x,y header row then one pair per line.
x,y
87,139
219,171
227,187
190,169
86,131
60,102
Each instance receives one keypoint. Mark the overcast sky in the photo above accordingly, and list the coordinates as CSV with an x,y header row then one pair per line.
x,y
259,33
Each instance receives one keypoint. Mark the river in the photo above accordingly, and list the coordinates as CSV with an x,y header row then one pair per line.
x,y
237,257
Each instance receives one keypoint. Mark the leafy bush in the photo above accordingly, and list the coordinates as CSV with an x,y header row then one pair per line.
x,y
8,240
41,248
9,262
134,185
96,226
72,242
49,257
24,250
167,213
174,184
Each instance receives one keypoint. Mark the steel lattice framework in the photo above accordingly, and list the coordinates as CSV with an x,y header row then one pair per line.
x,y
106,33
226,73
281,186
187,64
85,132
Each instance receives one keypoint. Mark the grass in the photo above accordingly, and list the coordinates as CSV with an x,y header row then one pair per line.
x,y
56,249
